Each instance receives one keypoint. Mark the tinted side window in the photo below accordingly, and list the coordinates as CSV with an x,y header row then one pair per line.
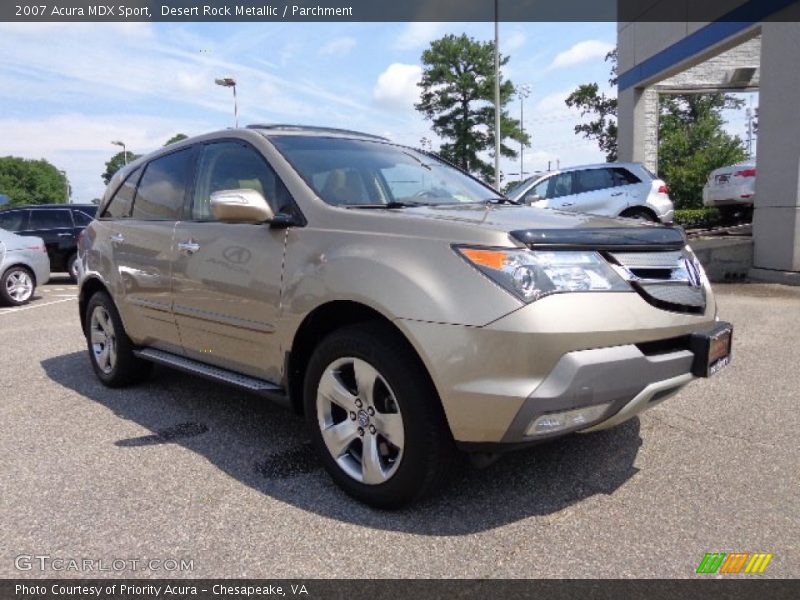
x,y
232,166
591,180
81,218
120,205
13,220
560,185
162,189
624,177
49,219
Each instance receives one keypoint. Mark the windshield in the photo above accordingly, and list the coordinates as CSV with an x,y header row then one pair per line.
x,y
352,173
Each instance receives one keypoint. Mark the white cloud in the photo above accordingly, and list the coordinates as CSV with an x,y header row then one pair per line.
x,y
338,46
515,41
581,52
397,86
417,35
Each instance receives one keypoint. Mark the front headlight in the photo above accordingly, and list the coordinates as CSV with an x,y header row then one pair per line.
x,y
530,275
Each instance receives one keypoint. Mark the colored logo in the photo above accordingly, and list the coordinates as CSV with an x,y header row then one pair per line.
x,y
735,562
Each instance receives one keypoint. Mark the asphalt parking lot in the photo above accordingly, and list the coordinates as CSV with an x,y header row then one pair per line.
x,y
179,468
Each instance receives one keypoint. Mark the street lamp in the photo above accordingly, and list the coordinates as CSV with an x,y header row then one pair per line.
x,y
231,83
523,92
66,185
497,94
124,151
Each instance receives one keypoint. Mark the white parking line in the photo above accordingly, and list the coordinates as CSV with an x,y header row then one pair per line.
x,y
16,309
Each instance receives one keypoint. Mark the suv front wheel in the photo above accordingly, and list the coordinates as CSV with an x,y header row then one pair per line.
x,y
375,420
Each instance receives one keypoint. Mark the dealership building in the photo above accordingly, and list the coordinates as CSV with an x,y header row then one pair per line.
x,y
754,47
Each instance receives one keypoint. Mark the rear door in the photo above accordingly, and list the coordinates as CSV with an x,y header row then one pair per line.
x,y
141,242
55,227
594,192
227,276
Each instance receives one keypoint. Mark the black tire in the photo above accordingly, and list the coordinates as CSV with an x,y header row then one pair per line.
x,y
72,262
125,369
640,214
11,292
428,450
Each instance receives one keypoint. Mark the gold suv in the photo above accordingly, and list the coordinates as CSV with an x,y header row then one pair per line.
x,y
407,309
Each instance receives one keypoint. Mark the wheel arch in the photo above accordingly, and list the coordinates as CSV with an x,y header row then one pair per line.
x,y
89,288
639,208
324,320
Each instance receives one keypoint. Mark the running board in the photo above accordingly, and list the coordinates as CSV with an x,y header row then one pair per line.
x,y
251,384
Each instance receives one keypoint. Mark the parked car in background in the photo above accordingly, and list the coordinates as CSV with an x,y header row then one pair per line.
x,y
732,190
23,265
608,189
59,225
406,308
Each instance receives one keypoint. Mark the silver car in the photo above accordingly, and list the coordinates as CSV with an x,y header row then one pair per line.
x,y
731,189
24,265
618,189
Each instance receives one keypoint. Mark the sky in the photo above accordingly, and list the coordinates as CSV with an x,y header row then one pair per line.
x,y
68,89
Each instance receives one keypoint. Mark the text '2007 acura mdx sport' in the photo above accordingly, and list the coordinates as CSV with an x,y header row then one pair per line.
x,y
405,308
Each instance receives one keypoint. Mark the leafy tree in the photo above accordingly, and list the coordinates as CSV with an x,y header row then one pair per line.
x,y
588,99
116,162
27,181
176,138
692,143
458,98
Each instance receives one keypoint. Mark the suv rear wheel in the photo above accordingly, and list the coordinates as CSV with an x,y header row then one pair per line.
x,y
72,267
640,214
375,420
110,348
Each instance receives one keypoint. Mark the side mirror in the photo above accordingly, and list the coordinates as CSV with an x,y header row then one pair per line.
x,y
531,198
240,206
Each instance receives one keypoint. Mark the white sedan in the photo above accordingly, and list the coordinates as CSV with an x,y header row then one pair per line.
x,y
731,189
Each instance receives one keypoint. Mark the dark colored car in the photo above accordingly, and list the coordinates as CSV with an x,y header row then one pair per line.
x,y
59,225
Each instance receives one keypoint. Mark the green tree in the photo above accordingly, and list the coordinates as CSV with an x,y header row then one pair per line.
x,y
116,162
176,138
458,98
692,143
27,181
588,99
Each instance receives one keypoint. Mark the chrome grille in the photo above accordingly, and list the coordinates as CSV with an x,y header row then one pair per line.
x,y
671,280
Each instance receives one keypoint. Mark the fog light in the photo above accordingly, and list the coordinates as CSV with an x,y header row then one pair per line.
x,y
563,421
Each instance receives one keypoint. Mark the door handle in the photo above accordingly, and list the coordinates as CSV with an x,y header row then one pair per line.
x,y
615,194
64,234
189,247
117,238
567,203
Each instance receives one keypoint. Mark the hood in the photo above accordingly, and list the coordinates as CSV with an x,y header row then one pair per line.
x,y
508,218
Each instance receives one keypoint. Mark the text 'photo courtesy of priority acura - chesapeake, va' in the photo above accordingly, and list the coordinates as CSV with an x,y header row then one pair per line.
x,y
413,314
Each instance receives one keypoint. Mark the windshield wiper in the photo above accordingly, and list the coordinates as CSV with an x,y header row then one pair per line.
x,y
499,200
393,204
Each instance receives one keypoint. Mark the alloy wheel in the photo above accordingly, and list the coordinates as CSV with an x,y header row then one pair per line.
x,y
19,285
103,339
360,420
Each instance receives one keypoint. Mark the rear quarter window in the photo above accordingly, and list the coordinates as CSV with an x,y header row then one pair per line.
x,y
162,189
120,205
13,220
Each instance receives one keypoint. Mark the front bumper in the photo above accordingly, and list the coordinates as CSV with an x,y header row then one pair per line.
x,y
559,353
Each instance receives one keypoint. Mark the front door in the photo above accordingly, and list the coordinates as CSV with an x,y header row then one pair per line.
x,y
227,276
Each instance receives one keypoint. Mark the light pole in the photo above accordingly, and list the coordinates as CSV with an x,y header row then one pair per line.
x,y
231,83
523,92
66,185
496,94
124,150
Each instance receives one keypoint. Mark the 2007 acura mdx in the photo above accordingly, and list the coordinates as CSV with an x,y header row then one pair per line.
x,y
405,308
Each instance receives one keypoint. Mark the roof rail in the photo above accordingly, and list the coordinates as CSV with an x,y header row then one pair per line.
x,y
286,127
